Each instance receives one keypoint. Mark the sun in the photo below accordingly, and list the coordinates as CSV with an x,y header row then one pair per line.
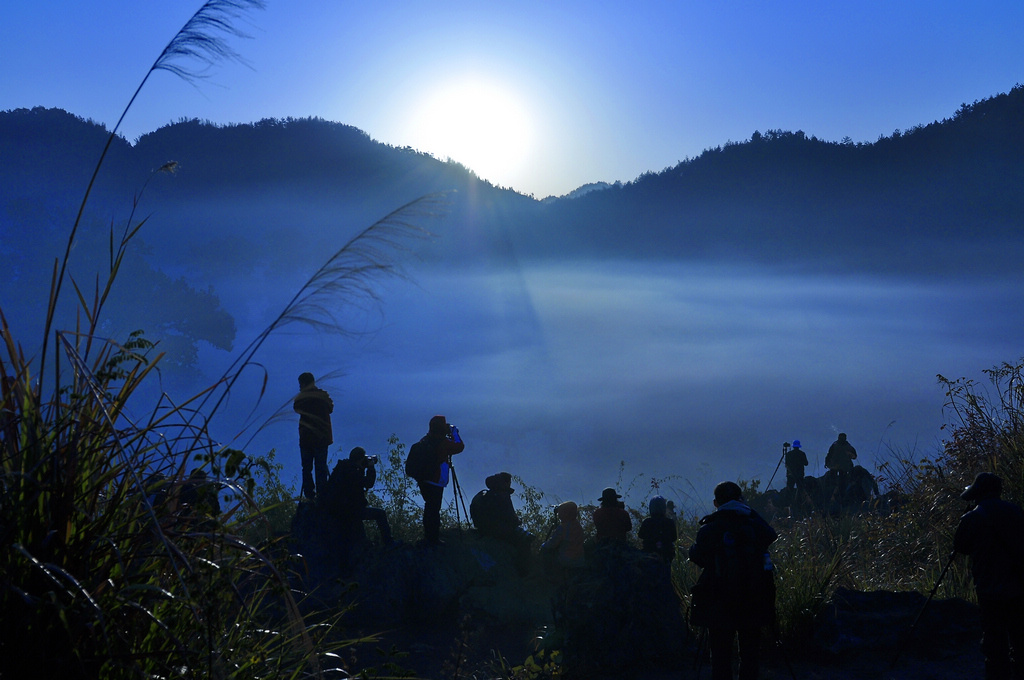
x,y
479,123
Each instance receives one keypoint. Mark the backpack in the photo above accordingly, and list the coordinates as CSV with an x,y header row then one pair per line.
x,y
421,463
740,586
478,512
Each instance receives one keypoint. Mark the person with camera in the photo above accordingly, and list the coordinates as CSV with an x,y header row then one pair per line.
x,y
429,463
346,491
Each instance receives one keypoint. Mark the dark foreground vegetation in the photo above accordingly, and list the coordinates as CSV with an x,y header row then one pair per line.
x,y
118,562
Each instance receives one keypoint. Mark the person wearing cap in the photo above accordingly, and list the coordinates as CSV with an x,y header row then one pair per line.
x,y
494,516
443,441
736,586
612,523
346,491
565,543
796,461
992,534
314,407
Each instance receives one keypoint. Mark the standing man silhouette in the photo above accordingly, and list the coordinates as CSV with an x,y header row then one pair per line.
x,y
841,455
796,461
735,594
992,533
314,407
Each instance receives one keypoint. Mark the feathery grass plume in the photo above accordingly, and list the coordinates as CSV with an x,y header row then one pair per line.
x,y
202,40
344,279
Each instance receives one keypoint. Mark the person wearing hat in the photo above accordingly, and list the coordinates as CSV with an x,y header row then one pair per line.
x,y
612,523
346,492
796,461
735,594
314,407
992,533
491,509
494,516
442,441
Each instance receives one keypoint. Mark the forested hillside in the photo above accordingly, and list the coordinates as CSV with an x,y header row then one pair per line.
x,y
908,201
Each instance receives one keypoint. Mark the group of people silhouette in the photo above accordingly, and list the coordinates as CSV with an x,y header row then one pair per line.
x,y
839,460
734,597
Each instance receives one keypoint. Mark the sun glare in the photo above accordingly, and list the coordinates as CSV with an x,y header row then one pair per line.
x,y
477,123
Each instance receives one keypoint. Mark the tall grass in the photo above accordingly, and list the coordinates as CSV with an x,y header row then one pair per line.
x,y
116,558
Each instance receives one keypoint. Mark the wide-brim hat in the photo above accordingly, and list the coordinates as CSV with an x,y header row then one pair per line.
x,y
438,425
500,482
986,485
609,494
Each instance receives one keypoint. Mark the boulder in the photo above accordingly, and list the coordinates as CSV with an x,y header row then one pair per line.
x,y
620,612
879,622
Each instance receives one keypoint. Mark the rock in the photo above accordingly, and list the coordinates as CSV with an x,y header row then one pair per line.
x,y
879,622
621,612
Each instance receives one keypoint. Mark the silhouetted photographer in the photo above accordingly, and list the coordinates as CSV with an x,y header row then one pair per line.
x,y
346,492
429,463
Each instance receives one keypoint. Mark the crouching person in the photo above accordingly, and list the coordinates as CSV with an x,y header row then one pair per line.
x,y
494,516
349,482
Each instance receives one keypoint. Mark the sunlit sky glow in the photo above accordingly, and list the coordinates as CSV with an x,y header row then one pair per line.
x,y
599,91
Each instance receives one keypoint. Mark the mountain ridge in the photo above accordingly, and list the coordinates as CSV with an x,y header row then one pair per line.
x,y
914,199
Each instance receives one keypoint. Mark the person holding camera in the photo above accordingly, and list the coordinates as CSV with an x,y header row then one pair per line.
x,y
348,485
429,463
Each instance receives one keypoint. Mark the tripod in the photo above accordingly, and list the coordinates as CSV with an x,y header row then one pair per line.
x,y
785,450
459,498
935,588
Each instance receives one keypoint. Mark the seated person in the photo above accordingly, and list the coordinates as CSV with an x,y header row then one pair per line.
x,y
347,487
564,548
658,532
494,516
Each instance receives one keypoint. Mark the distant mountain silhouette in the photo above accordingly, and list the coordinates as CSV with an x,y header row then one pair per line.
x,y
582,191
904,201
942,197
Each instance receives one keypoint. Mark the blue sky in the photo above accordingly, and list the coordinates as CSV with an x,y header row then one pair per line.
x,y
602,91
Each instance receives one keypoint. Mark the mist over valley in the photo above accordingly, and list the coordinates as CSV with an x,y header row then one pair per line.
x,y
686,322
